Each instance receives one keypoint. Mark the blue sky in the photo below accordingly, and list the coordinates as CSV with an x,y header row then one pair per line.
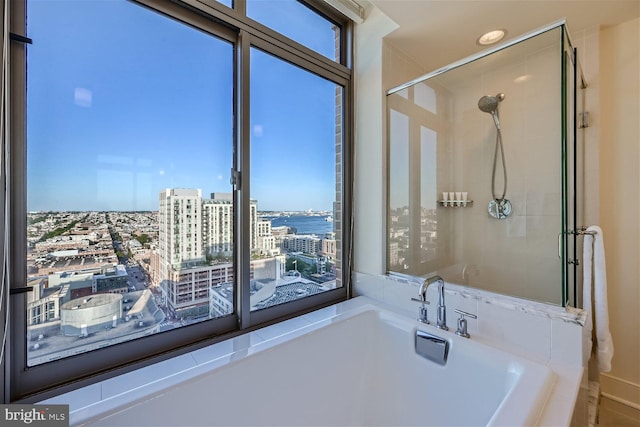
x,y
123,102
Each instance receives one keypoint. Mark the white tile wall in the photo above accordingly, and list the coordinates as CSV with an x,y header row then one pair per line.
x,y
566,344
541,332
530,117
538,331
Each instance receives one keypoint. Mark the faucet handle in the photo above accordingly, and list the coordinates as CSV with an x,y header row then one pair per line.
x,y
462,323
422,316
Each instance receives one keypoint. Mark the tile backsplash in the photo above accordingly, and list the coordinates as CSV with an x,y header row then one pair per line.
x,y
535,330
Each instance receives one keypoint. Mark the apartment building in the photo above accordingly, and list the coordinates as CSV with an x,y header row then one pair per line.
x,y
192,228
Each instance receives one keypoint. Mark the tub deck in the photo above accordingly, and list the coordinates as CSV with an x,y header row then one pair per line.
x,y
357,367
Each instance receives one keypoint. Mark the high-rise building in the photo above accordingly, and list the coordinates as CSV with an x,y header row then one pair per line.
x,y
217,224
266,242
179,243
190,228
309,244
180,227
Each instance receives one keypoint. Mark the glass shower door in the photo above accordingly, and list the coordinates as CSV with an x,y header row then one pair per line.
x,y
447,168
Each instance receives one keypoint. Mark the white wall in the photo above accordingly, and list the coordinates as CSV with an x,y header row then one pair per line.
x,y
587,42
370,133
620,202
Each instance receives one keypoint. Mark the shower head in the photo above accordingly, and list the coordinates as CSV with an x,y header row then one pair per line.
x,y
489,104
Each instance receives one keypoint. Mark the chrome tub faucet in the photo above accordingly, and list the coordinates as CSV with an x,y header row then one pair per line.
x,y
422,299
442,309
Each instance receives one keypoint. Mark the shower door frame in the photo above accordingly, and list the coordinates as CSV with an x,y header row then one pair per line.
x,y
573,84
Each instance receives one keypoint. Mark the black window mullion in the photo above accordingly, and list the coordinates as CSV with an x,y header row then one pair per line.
x,y
189,18
273,38
286,55
15,350
242,187
268,37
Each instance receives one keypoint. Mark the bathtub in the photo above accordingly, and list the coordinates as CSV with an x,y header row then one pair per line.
x,y
357,368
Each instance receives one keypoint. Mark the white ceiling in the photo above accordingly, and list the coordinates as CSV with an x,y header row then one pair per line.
x,y
438,32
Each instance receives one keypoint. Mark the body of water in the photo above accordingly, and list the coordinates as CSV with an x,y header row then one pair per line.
x,y
304,224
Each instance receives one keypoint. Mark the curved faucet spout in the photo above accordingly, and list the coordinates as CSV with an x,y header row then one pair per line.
x,y
442,309
428,282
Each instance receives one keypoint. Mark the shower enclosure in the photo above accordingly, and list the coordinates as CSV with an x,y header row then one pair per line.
x,y
490,204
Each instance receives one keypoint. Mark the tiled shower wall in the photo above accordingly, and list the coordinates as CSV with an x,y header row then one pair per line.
x,y
517,255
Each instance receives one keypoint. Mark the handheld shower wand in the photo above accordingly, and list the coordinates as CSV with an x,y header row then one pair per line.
x,y
489,104
499,207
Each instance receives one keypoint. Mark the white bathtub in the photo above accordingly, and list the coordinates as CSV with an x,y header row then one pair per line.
x,y
358,368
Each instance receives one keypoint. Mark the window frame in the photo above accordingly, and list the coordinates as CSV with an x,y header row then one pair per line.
x,y
31,384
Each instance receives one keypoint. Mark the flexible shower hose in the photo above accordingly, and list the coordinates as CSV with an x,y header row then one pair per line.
x,y
504,166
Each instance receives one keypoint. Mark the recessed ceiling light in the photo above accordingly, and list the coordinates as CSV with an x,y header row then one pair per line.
x,y
491,37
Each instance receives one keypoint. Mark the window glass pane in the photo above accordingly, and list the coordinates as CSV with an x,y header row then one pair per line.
x,y
130,131
298,22
296,142
228,3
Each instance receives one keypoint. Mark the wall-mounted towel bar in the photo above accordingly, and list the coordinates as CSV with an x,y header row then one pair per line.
x,y
580,231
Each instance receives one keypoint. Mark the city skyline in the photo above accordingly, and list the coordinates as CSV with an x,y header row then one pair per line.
x,y
157,271
115,117
156,210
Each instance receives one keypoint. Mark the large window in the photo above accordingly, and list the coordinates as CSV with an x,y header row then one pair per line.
x,y
172,176
129,151
294,167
